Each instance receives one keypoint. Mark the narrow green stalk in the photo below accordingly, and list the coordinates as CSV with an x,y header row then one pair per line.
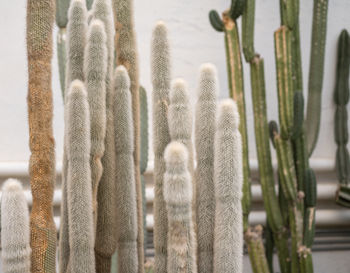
x,y
274,215
269,246
235,77
318,44
248,19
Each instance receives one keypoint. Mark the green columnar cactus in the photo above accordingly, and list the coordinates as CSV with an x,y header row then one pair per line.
x,y
76,39
205,115
89,4
95,66
273,211
161,75
235,78
15,232
248,19
79,198
318,44
125,175
126,53
106,238
178,198
341,99
40,21
228,180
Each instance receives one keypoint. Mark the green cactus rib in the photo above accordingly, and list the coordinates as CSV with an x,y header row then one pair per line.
x,y
289,10
256,250
235,77
248,19
61,57
216,21
284,79
318,44
274,215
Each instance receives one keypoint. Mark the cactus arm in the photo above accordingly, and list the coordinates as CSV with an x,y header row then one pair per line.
x,y
79,190
161,75
178,198
125,175
205,114
318,44
235,77
41,142
271,205
341,135
228,179
216,21
284,80
15,232
237,8
248,20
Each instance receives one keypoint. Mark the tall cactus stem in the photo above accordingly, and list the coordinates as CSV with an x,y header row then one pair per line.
x,y
235,78
125,175
126,52
178,198
161,75
248,20
61,57
41,142
15,232
79,190
228,179
205,115
318,45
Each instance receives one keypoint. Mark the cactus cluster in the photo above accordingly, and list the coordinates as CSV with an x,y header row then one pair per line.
x,y
291,213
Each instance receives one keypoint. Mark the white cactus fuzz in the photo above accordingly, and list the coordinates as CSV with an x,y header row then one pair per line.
x,y
76,40
79,197
15,233
161,75
228,179
178,198
125,175
95,68
106,238
205,124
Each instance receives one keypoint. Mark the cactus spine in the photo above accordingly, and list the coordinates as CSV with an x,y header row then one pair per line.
x,y
125,175
15,232
106,238
205,115
178,198
126,51
161,75
228,179
341,99
318,44
79,197
76,38
42,145
95,74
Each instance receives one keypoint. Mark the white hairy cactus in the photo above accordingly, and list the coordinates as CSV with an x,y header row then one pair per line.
x,y
79,190
125,175
161,75
228,179
15,233
106,238
205,124
76,39
178,198
95,67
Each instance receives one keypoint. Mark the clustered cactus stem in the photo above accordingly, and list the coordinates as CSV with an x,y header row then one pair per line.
x,y
41,142
228,181
161,75
15,231
79,189
126,54
125,176
178,198
205,123
341,99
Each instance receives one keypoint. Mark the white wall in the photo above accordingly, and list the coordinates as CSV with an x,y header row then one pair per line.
x,y
193,42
